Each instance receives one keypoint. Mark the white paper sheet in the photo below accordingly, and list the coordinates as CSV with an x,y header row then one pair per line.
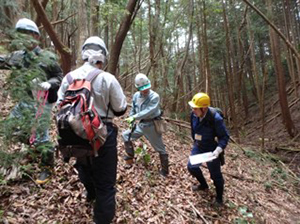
x,y
202,158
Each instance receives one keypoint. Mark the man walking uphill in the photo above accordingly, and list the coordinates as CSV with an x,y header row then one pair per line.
x,y
33,83
206,124
98,172
145,108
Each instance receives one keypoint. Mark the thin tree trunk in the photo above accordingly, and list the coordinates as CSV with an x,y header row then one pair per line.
x,y
230,82
201,59
289,55
95,17
132,8
62,49
206,53
253,63
178,79
82,32
153,42
291,46
275,48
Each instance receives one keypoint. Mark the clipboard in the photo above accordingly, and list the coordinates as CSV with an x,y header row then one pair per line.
x,y
202,158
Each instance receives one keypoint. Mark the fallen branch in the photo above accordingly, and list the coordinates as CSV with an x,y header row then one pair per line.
x,y
179,122
296,137
179,212
238,145
294,176
198,213
288,149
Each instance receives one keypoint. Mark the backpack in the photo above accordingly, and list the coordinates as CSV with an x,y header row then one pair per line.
x,y
80,128
211,122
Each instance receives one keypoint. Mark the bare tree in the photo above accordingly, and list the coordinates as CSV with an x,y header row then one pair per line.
x,y
132,8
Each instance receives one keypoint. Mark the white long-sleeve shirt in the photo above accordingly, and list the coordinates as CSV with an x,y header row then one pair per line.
x,y
105,90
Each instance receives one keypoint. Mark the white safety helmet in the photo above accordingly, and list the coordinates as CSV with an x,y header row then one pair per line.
x,y
27,24
142,82
95,43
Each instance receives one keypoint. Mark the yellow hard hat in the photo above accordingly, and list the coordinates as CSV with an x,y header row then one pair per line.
x,y
200,100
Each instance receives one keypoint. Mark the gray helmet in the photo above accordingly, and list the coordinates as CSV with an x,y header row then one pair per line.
x,y
142,82
95,43
27,24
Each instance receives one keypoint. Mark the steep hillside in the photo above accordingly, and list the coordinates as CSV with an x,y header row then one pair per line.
x,y
277,140
256,189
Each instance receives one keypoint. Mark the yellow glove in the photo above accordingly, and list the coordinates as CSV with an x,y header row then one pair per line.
x,y
130,120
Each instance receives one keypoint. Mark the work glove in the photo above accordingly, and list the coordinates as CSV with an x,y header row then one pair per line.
x,y
45,85
217,151
130,120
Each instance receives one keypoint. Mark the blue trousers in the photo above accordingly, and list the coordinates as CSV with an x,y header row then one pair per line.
x,y
98,175
214,168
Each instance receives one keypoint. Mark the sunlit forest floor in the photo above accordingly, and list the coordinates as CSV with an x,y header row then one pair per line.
x,y
258,188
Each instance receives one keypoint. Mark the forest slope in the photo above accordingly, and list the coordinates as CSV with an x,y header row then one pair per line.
x,y
257,189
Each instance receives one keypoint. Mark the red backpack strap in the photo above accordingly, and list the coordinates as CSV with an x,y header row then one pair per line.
x,y
69,78
93,74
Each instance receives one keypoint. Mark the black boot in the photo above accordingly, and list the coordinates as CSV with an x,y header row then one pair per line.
x,y
164,160
130,153
219,191
200,187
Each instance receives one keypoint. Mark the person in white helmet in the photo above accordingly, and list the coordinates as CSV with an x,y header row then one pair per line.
x,y
38,71
145,108
98,174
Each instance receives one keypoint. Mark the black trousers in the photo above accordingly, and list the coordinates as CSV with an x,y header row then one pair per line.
x,y
214,168
98,174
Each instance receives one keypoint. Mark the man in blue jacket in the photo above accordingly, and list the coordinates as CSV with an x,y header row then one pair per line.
x,y
207,125
145,108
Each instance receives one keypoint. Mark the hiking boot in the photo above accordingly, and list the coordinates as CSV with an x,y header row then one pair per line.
x,y
218,202
164,165
199,187
44,176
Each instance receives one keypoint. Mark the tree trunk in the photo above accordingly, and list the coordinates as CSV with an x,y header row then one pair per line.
x,y
230,82
285,111
38,21
82,31
132,8
179,70
153,41
201,59
206,53
95,17
253,63
291,46
63,50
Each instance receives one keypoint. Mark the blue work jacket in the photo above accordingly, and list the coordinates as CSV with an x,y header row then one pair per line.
x,y
210,132
145,107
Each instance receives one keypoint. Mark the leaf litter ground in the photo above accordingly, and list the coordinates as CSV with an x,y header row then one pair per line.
x,y
257,190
